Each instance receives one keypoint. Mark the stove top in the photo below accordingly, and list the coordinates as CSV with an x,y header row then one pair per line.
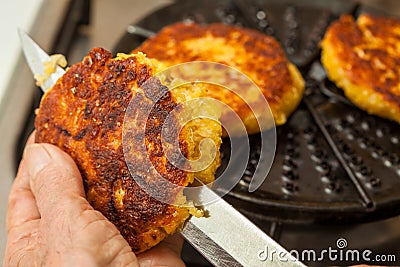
x,y
334,163
318,191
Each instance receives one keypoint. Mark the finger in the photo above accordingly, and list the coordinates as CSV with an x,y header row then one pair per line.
x,y
22,206
97,235
167,253
55,181
174,243
57,186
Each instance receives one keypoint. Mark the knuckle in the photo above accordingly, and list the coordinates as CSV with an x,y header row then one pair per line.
x,y
94,221
49,180
48,172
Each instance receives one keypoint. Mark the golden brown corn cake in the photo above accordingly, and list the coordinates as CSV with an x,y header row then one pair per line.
x,y
362,57
83,113
256,55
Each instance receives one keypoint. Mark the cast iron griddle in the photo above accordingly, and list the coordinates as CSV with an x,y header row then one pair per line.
x,y
334,162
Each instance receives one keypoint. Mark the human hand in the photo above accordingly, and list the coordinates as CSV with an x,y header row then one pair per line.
x,y
50,222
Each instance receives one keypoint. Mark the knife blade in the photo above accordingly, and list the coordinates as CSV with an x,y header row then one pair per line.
x,y
224,236
36,58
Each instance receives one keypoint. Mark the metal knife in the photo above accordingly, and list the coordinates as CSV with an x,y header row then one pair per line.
x,y
224,236
36,58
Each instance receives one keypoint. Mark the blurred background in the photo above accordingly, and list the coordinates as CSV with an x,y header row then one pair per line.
x,y
73,28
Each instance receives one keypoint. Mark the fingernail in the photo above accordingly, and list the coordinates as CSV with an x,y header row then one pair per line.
x,y
36,158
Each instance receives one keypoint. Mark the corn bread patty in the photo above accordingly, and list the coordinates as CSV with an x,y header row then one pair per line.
x,y
362,57
83,113
256,55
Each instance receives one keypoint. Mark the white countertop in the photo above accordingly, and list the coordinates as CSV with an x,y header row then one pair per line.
x,y
13,15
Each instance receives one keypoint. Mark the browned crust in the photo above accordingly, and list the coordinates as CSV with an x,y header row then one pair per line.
x,y
363,57
84,115
258,56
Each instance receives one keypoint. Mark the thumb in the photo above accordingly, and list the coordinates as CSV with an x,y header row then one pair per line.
x,y
74,231
55,180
